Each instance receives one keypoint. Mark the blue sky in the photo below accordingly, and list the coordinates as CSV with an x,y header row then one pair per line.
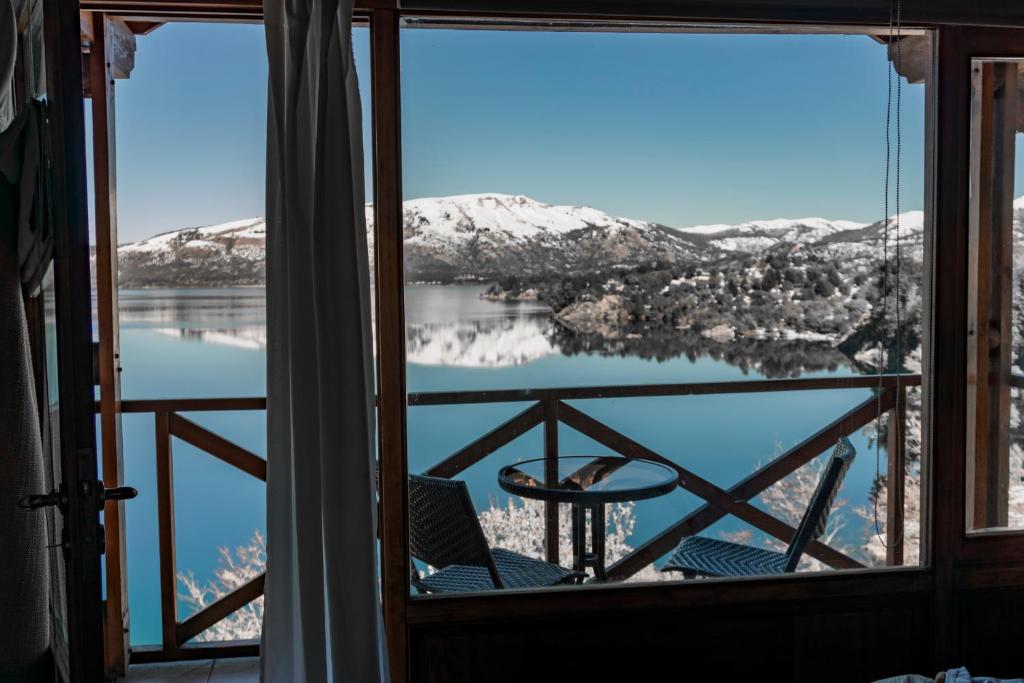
x,y
682,129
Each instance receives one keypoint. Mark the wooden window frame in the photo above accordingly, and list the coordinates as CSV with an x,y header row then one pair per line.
x,y
981,551
433,611
994,112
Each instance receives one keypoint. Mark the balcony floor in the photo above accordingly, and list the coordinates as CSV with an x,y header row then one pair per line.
x,y
237,670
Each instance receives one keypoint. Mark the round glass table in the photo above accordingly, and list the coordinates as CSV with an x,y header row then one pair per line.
x,y
588,482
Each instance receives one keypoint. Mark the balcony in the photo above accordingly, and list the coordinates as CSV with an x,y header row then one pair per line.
x,y
544,408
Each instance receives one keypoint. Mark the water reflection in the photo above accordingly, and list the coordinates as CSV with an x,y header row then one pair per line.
x,y
480,343
254,337
774,359
455,327
218,309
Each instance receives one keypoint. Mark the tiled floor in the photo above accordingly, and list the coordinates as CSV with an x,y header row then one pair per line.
x,y
240,670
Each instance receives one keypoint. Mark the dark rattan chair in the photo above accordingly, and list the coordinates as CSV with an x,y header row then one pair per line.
x,y
699,556
445,533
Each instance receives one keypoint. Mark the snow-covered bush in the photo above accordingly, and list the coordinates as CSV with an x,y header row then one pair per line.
x,y
235,569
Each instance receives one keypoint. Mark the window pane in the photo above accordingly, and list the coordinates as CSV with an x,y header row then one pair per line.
x,y
601,209
995,490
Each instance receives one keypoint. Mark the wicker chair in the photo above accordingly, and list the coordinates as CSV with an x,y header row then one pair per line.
x,y
699,556
445,533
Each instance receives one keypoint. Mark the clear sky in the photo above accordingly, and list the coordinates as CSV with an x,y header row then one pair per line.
x,y
682,129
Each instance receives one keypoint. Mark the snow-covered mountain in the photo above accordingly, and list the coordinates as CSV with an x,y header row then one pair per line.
x,y
491,236
755,235
485,236
839,238
447,239
229,254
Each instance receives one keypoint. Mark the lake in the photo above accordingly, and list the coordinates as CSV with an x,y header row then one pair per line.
x,y
211,342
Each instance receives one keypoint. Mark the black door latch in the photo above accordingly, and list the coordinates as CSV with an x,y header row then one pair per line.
x,y
59,499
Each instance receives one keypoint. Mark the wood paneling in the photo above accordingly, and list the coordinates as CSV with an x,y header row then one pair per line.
x,y
990,631
832,640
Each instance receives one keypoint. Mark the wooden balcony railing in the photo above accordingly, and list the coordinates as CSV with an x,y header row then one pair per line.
x,y
169,423
548,408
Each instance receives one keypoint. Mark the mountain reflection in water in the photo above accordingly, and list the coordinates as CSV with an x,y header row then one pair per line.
x,y
775,359
454,327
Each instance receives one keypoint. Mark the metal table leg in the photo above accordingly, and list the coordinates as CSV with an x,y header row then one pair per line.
x,y
597,533
579,537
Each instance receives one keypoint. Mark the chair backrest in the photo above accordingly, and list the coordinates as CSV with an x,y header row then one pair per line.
x,y
443,526
815,518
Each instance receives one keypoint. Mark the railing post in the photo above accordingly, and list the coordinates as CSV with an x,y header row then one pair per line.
x,y
551,477
165,524
896,479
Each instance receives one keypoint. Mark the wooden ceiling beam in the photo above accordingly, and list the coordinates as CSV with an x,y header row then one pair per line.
x,y
925,12
143,28
132,7
119,41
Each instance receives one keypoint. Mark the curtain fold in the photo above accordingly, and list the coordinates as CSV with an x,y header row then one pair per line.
x,y
8,56
322,618
24,558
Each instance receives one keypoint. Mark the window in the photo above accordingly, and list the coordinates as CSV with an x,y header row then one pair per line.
x,y
608,259
191,127
995,450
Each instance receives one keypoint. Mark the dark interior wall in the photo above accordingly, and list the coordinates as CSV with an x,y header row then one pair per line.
x,y
848,639
990,630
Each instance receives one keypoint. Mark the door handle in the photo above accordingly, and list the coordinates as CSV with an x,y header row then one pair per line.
x,y
59,499
119,493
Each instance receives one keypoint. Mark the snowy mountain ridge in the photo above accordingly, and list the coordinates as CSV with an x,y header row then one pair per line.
x,y
488,236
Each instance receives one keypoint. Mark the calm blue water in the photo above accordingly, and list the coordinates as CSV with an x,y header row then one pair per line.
x,y
187,343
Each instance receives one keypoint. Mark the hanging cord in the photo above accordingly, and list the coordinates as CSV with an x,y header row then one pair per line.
x,y
895,38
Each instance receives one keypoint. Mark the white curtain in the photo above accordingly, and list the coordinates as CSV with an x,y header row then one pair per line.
x,y
322,619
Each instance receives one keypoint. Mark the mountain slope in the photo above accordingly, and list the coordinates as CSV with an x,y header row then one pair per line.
x,y
467,237
229,254
486,237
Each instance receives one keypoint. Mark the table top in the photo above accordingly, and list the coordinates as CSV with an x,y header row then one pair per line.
x,y
589,479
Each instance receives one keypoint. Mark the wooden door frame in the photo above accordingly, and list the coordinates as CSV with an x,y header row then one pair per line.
x,y
74,334
110,56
